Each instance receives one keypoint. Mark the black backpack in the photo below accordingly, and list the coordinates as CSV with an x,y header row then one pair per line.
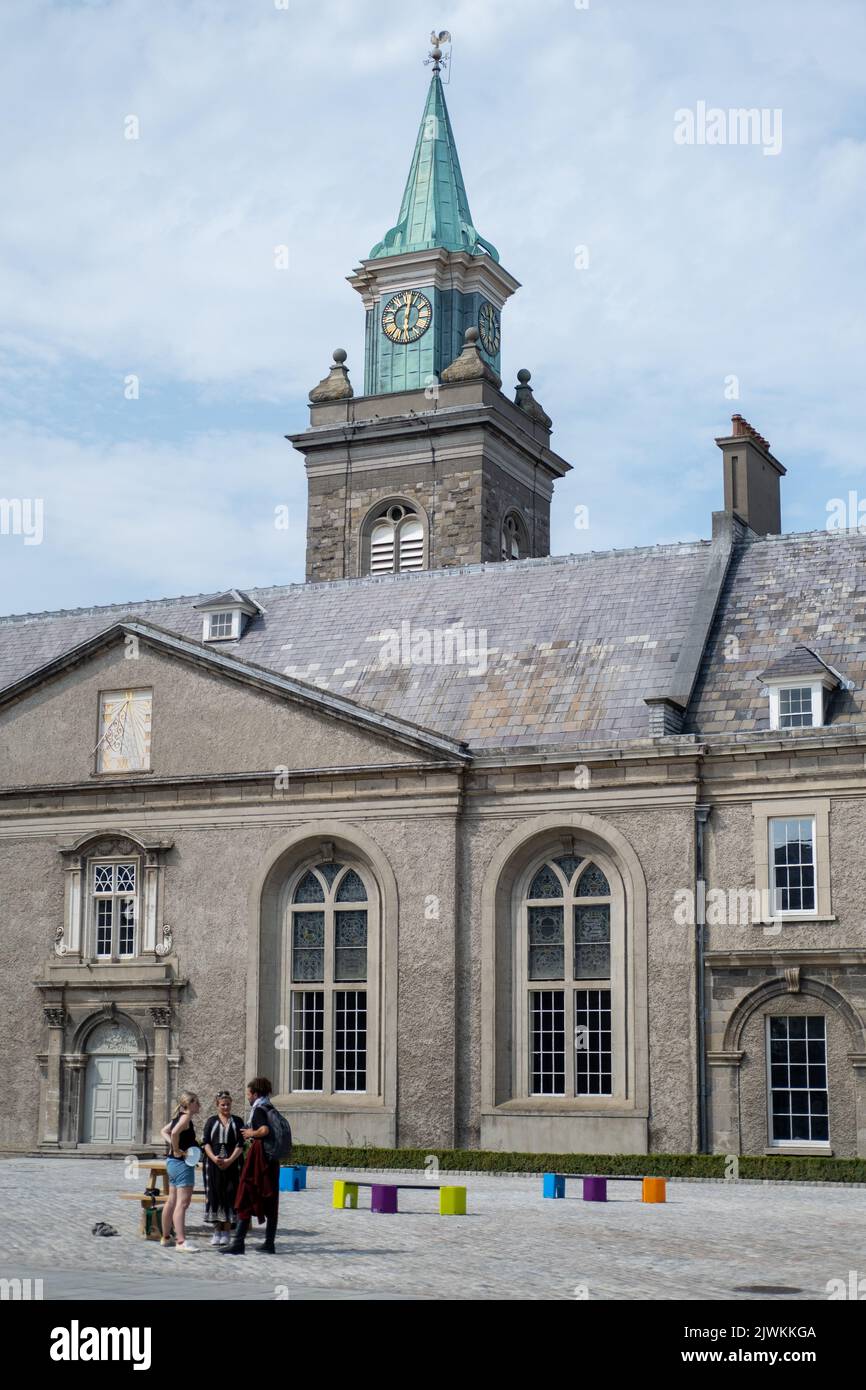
x,y
278,1144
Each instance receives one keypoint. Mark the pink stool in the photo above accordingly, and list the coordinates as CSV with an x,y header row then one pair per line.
x,y
595,1189
383,1197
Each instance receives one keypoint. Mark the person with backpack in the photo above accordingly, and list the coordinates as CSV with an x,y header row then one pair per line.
x,y
270,1140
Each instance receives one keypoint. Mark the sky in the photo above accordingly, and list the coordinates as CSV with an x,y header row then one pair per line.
x,y
153,355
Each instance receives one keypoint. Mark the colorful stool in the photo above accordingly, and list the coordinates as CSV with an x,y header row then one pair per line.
x,y
595,1189
654,1190
383,1197
293,1179
345,1194
452,1201
553,1185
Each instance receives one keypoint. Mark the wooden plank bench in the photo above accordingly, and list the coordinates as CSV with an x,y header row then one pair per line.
x,y
595,1185
383,1195
153,1200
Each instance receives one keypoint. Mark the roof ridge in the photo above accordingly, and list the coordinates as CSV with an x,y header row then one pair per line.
x,y
421,576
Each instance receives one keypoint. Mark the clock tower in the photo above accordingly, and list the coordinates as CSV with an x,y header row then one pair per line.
x,y
433,466
432,275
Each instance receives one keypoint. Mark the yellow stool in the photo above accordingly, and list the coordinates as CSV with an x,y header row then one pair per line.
x,y
345,1194
452,1201
653,1190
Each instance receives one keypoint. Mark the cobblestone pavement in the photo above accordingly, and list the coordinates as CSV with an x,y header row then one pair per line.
x,y
707,1241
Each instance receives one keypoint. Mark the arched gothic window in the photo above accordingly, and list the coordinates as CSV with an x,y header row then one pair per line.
x,y
564,963
515,545
393,540
333,970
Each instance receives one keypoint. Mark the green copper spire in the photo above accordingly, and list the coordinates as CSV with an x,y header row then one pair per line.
x,y
435,208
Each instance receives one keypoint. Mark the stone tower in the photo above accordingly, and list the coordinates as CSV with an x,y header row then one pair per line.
x,y
432,466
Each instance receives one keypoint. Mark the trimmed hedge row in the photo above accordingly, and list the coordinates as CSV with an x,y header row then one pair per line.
x,y
776,1169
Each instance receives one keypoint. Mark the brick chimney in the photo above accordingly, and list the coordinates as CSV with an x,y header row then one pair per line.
x,y
751,478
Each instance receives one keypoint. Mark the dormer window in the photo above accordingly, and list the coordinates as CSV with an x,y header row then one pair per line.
x,y
225,616
223,625
799,706
393,540
800,685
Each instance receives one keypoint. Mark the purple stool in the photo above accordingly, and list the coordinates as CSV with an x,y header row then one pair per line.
x,y
383,1197
595,1189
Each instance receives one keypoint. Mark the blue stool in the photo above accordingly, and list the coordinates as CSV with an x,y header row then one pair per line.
x,y
554,1185
293,1179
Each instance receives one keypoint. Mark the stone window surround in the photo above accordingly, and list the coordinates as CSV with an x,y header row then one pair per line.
x,y
329,987
369,1117
520,531
816,809
74,939
724,1063
510,1122
374,513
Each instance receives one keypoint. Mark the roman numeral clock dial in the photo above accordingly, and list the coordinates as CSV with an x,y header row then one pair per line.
x,y
488,328
407,316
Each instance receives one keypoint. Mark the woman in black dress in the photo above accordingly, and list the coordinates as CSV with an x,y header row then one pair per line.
x,y
223,1150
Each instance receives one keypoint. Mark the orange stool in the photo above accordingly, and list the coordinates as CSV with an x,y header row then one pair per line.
x,y
653,1190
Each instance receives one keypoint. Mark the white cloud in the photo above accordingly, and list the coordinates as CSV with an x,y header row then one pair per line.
x,y
262,126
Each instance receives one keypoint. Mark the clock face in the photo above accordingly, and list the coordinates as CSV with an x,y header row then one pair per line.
x,y
488,328
407,316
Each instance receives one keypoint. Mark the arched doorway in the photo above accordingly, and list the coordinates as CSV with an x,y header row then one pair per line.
x,y
110,1100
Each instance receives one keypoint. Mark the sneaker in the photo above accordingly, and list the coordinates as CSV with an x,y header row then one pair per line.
x,y
186,1248
225,1237
216,1238
166,1240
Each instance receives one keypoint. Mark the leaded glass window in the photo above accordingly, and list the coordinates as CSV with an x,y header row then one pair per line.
x,y
114,897
329,947
568,940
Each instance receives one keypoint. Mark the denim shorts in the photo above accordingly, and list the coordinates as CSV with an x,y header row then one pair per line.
x,y
179,1173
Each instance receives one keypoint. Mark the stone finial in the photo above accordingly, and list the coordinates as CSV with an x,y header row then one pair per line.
x,y
525,400
336,386
470,365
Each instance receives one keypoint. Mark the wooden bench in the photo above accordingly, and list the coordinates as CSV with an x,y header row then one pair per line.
x,y
153,1200
595,1185
383,1195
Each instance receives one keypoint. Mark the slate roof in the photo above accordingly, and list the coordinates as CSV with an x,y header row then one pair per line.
x,y
799,661
574,644
780,592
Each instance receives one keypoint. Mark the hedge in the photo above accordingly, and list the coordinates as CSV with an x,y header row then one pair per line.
x,y
771,1167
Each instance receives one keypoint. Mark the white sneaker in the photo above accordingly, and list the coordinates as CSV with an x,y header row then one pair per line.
x,y
186,1248
225,1237
216,1238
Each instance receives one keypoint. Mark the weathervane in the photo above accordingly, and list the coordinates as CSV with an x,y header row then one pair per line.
x,y
436,58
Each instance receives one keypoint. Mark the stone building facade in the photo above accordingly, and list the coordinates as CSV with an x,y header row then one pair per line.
x,y
462,843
